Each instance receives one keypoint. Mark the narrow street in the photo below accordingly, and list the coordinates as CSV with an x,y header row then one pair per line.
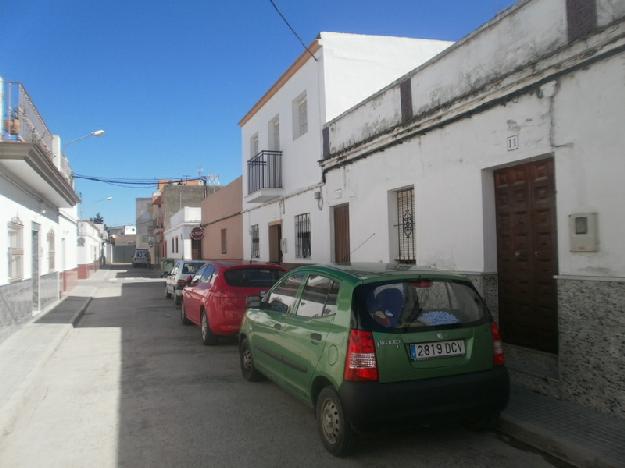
x,y
131,386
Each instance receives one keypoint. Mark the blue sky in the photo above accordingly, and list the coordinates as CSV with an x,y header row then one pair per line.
x,y
169,80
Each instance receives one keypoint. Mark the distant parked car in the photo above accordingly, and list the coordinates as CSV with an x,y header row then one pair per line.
x,y
374,345
141,258
217,297
181,275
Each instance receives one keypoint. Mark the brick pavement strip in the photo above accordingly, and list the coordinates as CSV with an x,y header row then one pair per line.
x,y
565,430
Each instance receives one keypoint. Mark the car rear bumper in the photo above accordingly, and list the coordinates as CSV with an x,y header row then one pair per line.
x,y
429,399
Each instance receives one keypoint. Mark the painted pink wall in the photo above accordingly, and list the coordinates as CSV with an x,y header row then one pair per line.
x,y
222,210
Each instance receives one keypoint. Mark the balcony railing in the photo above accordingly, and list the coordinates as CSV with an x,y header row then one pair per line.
x,y
22,120
264,171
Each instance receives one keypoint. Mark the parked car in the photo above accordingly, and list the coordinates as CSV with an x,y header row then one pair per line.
x,y
216,299
375,345
167,264
141,258
180,275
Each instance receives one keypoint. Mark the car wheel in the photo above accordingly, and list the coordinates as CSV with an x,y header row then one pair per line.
x,y
335,430
481,423
247,363
207,335
167,293
183,316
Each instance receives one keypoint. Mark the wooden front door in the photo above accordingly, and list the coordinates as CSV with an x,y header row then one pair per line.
x,y
341,234
527,254
275,236
196,249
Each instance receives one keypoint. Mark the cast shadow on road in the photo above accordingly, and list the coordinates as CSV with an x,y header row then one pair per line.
x,y
184,404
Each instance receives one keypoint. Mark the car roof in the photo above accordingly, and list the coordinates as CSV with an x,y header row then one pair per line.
x,y
236,264
371,272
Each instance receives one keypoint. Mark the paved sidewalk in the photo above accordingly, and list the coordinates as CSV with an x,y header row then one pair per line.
x,y
565,430
27,350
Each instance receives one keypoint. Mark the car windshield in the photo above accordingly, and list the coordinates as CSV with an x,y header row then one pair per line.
x,y
409,305
253,277
191,268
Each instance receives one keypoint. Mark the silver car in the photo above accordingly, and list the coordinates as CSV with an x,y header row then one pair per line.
x,y
180,275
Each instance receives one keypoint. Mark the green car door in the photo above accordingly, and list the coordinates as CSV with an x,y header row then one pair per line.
x,y
268,326
306,331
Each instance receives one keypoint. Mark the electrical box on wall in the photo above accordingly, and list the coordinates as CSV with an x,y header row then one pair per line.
x,y
583,232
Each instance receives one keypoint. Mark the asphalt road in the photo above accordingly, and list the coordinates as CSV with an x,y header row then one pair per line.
x,y
131,386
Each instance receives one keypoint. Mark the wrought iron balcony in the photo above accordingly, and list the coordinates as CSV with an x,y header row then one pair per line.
x,y
264,176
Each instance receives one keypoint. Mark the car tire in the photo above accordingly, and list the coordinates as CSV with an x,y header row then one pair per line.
x,y
482,423
167,293
334,428
208,338
246,360
183,316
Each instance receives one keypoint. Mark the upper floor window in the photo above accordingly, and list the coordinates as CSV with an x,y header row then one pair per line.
x,y
253,145
51,251
300,115
302,235
255,242
273,133
16,250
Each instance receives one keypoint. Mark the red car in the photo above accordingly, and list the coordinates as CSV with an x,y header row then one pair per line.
x,y
216,299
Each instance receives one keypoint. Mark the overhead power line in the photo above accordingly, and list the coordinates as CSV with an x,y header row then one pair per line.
x,y
275,7
140,183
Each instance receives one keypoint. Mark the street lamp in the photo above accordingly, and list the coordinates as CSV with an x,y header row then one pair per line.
x,y
95,133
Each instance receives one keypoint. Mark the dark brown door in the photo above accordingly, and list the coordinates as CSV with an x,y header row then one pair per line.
x,y
275,251
341,234
196,249
527,255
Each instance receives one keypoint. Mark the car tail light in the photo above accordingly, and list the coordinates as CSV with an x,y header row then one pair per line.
x,y
498,357
361,363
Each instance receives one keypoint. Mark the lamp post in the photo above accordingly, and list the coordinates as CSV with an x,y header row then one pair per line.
x,y
95,133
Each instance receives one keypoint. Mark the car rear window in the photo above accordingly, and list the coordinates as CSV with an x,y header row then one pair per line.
x,y
191,268
411,305
253,277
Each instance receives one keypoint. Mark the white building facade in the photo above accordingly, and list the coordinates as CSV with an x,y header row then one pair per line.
x,y
502,159
91,248
38,215
178,235
281,138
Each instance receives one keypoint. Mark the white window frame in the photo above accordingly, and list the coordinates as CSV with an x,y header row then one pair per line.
x,y
254,146
300,115
16,250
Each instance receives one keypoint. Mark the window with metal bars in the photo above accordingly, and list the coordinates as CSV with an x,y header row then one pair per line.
x,y
302,235
405,226
255,242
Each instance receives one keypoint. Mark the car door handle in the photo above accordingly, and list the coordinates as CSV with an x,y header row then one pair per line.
x,y
315,337
277,326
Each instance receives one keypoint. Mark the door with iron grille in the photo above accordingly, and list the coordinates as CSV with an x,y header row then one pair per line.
x,y
527,254
404,226
341,234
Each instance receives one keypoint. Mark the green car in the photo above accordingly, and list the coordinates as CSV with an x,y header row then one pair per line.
x,y
371,345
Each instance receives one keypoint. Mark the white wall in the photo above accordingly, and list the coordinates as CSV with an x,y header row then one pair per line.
x,y
448,168
89,251
357,65
17,201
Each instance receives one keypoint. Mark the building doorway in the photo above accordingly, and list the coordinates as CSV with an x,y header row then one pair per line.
x,y
527,254
35,265
341,234
275,237
196,249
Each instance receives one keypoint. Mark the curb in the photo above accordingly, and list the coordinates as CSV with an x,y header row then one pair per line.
x,y
10,410
547,441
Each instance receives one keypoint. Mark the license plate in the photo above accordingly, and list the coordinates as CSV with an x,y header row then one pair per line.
x,y
421,351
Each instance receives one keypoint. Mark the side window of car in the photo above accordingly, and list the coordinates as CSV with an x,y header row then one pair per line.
x,y
207,272
318,297
282,298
